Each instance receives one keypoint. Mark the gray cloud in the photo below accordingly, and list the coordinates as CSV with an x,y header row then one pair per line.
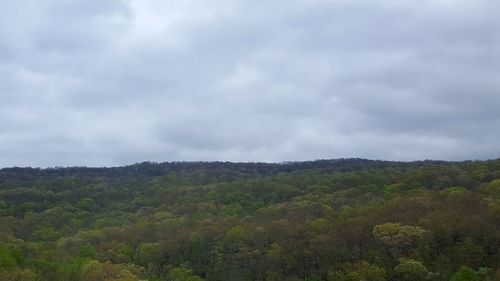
x,y
120,81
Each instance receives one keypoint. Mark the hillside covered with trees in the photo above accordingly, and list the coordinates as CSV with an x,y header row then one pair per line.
x,y
326,220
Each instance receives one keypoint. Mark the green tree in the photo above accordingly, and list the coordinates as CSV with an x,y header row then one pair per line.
x,y
364,271
410,270
469,253
399,238
149,255
182,274
97,271
493,188
70,269
465,273
9,257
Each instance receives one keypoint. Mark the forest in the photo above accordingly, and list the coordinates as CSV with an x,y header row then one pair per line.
x,y
324,220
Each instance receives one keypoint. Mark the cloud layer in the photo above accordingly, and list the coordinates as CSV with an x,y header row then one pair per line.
x,y
111,82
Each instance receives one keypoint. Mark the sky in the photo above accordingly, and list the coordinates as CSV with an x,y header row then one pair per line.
x,y
115,82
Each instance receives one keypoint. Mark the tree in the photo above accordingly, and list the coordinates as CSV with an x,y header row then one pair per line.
x,y
182,274
97,271
465,273
71,269
149,256
411,270
9,257
399,238
364,271
18,275
469,253
493,188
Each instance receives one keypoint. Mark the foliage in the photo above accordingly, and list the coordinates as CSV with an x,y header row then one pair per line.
x,y
342,220
97,271
465,274
364,271
182,274
411,270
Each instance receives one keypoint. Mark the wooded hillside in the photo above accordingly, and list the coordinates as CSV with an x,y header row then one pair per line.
x,y
342,220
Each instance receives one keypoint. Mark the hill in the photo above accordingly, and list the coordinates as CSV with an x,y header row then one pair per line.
x,y
342,219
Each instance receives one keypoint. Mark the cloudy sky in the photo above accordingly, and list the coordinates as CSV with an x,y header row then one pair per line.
x,y
113,82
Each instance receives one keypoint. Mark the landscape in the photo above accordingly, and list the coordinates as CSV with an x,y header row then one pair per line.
x,y
325,220
246,140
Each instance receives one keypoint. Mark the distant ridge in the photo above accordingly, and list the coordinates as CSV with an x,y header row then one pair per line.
x,y
228,170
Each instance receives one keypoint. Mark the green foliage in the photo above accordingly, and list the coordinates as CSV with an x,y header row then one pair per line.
x,y
465,274
97,271
70,269
87,251
148,255
364,271
411,270
182,274
9,257
399,237
336,275
18,275
47,234
493,188
342,220
469,253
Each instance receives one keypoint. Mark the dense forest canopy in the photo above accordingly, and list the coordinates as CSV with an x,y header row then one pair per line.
x,y
325,220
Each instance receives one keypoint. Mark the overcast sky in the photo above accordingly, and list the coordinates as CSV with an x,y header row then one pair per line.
x,y
111,82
